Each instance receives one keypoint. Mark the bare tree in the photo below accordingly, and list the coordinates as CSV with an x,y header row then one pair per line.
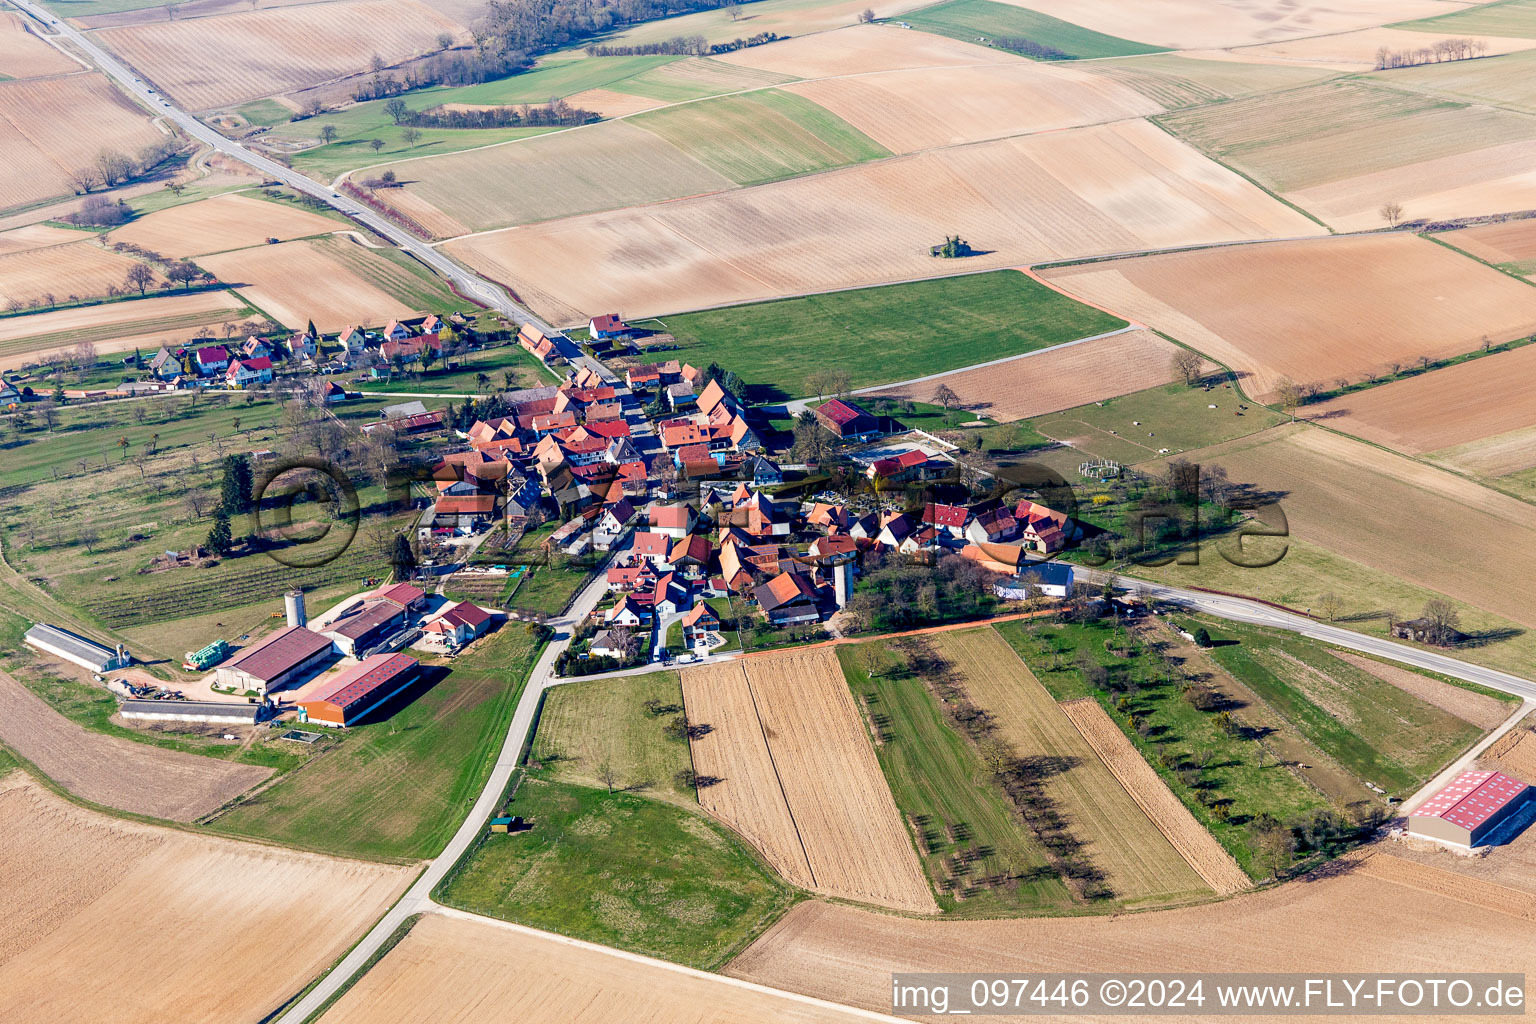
x,y
1186,366
411,135
83,180
1331,605
327,133
1444,622
867,15
606,775
89,536
376,144
196,503
113,166
945,396
1392,212
140,276
1288,394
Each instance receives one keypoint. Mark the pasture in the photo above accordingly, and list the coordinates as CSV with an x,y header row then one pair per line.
x,y
1058,195
1058,379
786,17
786,742
24,55
39,156
82,269
885,334
760,136
239,56
603,725
1281,310
1482,710
81,888
219,224
622,870
117,326
973,20
450,969
1136,427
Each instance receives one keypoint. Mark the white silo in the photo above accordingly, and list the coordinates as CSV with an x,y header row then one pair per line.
x,y
293,604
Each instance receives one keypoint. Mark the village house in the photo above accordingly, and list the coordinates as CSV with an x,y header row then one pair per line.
x,y
787,599
165,365
613,524
765,472
700,626
994,527
457,626
680,396
302,346
653,547
673,520
533,341
242,373
900,469
255,348
1037,579
628,611
211,360
895,529
946,520
670,596
1041,528
617,644
607,326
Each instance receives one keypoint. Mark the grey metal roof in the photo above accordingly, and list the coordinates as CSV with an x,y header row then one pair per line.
x,y
64,640
192,708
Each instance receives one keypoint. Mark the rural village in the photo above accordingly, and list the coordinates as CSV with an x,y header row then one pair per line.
x,y
696,510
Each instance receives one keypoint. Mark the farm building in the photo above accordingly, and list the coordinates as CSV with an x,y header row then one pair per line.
x,y
283,659
359,690
192,711
1471,806
458,625
846,420
1050,579
787,599
402,595
361,629
77,649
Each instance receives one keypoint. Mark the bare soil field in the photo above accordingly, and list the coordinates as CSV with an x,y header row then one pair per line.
x,y
860,49
1139,864
184,11
1187,24
116,772
599,167
219,224
1481,710
1357,50
1515,753
907,111
39,156
823,767
1370,506
1383,919
80,268
605,101
1451,406
24,55
236,57
115,326
38,236
1491,457
786,17
1058,195
448,970
1056,379
86,894
1511,244
299,281
1186,835
1313,310
1183,80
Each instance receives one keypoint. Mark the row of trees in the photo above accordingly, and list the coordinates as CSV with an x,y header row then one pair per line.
x,y
1435,53
114,167
555,114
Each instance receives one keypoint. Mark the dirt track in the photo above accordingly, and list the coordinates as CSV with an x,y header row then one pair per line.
x,y
117,772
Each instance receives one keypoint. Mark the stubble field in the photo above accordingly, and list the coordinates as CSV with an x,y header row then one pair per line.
x,y
241,56
1058,379
300,281
36,236
1313,310
797,773
1136,861
116,772
450,969
1110,188
219,224
80,268
208,928
1514,753
24,55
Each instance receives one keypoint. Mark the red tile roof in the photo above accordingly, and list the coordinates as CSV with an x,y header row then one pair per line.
x,y
466,504
608,322
840,412
1471,798
402,594
944,515
671,517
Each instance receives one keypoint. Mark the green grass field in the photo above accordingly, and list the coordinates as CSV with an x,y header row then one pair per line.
x,y
87,8
936,775
397,786
887,334
587,726
1506,81
1137,427
508,366
1377,731
621,870
761,136
969,20
1515,18
695,78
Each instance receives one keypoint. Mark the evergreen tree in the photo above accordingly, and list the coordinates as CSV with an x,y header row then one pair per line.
x,y
309,329
220,538
402,559
235,492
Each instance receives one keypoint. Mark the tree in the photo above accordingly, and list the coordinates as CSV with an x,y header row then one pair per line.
x,y
122,446
402,559
1443,621
89,536
867,15
1392,212
1186,366
606,775
1330,604
1288,393
1203,637
444,40
411,137
183,273
327,133
83,180
397,109
235,490
140,276
376,144
732,8
113,166
220,538
943,395
482,380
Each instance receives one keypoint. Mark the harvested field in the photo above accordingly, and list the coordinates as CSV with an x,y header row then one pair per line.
x,y
1183,80
299,281
1498,456
39,155
1202,852
1281,310
1187,24
24,55
804,775
860,49
1511,18
1055,379
603,166
1383,918
1454,405
1059,195
115,326
80,268
115,772
911,110
450,968
1515,753
37,236
1137,862
1434,881
1481,710
219,224
1356,50
1512,245
1369,506
81,891
237,57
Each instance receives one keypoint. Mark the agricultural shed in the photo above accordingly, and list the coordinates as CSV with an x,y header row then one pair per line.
x,y
360,689
846,420
192,711
373,622
284,658
75,648
1470,806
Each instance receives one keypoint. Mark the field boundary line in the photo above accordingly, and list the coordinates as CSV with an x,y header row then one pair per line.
x,y
778,778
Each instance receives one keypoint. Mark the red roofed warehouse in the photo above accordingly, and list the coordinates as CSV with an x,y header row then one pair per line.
x,y
1472,805
359,690
846,420
283,659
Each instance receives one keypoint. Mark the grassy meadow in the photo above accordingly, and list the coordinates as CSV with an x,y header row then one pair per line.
x,y
603,725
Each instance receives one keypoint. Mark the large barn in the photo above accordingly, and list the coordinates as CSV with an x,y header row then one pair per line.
x,y
285,658
1470,807
359,690
75,648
